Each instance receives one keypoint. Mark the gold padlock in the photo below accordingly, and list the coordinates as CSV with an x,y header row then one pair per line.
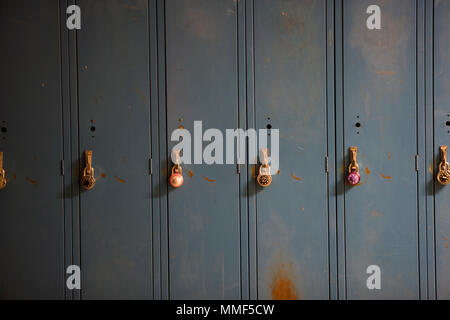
x,y
2,173
264,178
87,180
443,175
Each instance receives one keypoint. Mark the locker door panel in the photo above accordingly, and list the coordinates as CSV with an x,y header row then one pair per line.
x,y
290,95
442,137
31,205
204,247
114,122
380,119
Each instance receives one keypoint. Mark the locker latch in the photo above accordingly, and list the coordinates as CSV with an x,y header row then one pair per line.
x,y
353,176
443,176
2,173
87,180
264,177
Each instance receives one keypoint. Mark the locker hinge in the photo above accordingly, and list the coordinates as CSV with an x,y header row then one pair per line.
x,y
150,166
62,167
417,162
326,165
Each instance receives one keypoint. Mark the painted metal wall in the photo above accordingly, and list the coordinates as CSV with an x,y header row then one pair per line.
x,y
137,70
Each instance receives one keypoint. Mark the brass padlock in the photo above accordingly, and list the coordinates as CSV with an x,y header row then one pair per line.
x,y
353,176
87,180
2,173
176,179
264,178
443,175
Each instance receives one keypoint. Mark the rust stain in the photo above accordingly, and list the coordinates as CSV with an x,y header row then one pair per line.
x,y
139,92
386,72
209,180
191,174
268,60
253,172
341,169
375,214
180,127
119,180
278,172
296,178
430,168
389,156
103,175
385,177
31,180
446,245
367,171
13,177
282,286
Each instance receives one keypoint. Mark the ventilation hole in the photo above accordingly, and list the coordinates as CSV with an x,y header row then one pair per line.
x,y
4,130
447,123
269,126
358,125
93,129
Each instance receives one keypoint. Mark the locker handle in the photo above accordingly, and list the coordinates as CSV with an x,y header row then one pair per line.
x,y
443,175
2,173
353,176
87,180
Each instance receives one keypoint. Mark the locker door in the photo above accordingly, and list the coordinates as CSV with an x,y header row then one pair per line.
x,y
442,137
290,95
203,215
31,205
114,122
379,107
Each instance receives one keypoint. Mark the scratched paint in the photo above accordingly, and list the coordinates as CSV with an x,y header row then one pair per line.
x,y
295,177
208,179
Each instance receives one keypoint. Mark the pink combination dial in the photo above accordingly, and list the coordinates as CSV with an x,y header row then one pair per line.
x,y
353,178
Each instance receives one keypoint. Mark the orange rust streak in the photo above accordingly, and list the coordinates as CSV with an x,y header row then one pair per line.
x,y
282,287
31,180
385,177
386,72
103,175
367,171
120,180
191,174
296,178
209,180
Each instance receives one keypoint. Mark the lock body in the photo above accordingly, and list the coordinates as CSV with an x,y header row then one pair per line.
x,y
2,173
264,178
87,180
443,175
353,175
176,178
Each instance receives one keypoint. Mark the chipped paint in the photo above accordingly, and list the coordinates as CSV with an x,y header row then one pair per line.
x,y
295,177
208,179
119,179
385,177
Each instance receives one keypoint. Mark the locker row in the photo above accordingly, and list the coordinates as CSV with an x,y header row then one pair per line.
x,y
357,208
